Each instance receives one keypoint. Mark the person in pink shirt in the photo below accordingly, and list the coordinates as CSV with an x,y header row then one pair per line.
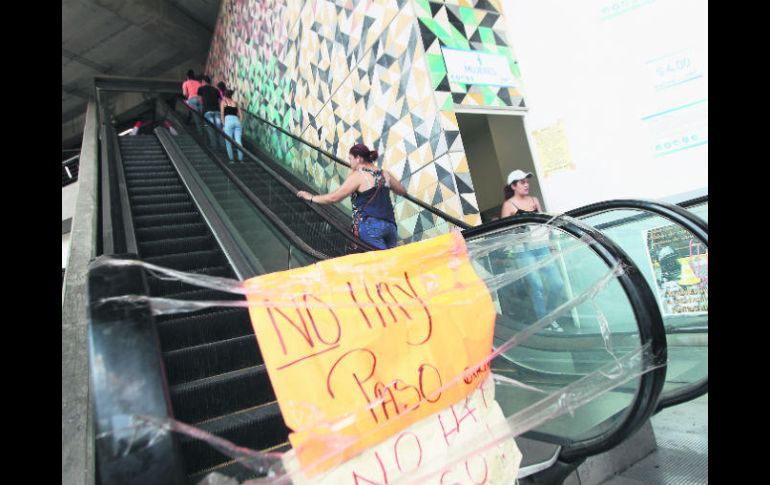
x,y
190,91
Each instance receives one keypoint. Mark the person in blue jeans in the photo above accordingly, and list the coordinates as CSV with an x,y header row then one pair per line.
x,y
537,248
231,117
211,111
369,188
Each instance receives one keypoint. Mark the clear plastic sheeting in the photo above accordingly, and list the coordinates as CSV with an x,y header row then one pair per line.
x,y
469,462
565,341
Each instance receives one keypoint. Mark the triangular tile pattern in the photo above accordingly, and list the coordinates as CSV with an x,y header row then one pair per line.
x,y
469,25
343,72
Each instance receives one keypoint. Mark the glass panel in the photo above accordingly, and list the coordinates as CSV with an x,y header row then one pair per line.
x,y
675,265
265,247
700,210
540,274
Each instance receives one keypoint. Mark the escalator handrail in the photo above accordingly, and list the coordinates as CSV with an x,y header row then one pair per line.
x,y
703,199
113,240
344,231
127,379
682,217
648,318
410,198
125,206
674,213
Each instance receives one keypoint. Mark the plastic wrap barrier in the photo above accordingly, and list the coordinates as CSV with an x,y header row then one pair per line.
x,y
381,363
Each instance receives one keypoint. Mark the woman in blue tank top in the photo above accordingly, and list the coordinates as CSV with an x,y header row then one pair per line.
x,y
369,188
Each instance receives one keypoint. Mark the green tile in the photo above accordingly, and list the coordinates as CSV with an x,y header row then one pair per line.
x,y
436,64
468,16
487,36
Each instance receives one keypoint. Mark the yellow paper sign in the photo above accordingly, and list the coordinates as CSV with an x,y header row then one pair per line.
x,y
362,346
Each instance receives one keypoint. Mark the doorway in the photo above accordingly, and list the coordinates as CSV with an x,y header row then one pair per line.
x,y
496,144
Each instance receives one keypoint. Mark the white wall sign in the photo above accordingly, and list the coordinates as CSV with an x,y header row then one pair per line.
x,y
472,67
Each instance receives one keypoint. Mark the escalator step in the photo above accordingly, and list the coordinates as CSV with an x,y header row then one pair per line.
x,y
160,198
138,191
164,220
148,234
159,287
216,396
191,363
179,331
257,428
190,261
176,245
158,209
153,182
133,173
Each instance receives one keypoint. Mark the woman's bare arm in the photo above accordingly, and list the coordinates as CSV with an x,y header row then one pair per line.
x,y
395,184
351,184
508,209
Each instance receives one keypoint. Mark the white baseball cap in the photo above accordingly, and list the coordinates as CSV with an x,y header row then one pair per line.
x,y
517,175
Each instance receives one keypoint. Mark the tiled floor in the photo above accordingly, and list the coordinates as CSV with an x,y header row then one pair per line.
x,y
682,455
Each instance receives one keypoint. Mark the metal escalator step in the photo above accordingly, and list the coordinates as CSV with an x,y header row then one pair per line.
x,y
204,294
138,172
204,360
176,245
258,428
184,330
154,182
148,234
159,199
189,261
159,287
167,219
216,396
162,208
138,191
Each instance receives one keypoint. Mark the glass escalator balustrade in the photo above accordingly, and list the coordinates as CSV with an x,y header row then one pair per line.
x,y
675,264
550,269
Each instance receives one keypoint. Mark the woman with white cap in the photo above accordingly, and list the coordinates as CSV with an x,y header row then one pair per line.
x,y
518,201
517,198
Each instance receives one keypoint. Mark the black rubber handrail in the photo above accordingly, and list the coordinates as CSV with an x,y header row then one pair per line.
x,y
675,213
646,312
344,231
703,199
127,378
414,200
125,206
683,218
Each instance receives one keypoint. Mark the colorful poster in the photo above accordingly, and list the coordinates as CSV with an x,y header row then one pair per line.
x,y
680,265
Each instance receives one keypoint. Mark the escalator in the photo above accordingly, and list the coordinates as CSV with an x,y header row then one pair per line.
x,y
209,365
211,362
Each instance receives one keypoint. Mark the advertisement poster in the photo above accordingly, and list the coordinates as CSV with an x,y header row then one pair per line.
x,y
680,265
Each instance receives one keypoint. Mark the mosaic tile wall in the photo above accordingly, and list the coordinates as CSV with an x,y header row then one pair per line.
x,y
342,72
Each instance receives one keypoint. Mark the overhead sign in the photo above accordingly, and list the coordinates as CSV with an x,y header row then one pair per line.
x,y
482,68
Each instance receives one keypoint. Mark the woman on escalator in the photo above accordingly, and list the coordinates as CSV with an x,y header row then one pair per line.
x,y
547,280
369,188
231,117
